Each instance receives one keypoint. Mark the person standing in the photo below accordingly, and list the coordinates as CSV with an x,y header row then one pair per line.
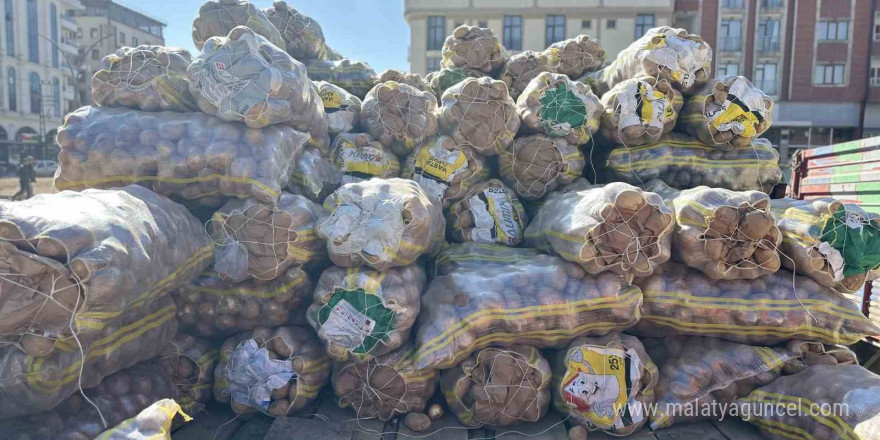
x,y
26,178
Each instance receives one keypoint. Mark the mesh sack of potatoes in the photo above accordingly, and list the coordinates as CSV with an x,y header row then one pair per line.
x,y
242,77
684,162
154,422
616,227
479,112
399,115
824,402
767,310
498,387
725,234
537,164
835,244
575,56
359,157
210,306
700,376
148,78
276,371
302,35
640,110
442,79
342,110
728,112
119,396
217,17
190,362
473,47
522,68
384,386
489,213
33,384
256,240
362,313
683,59
315,175
480,297
555,105
810,354
381,223
356,77
192,156
412,79
605,383
445,169
72,261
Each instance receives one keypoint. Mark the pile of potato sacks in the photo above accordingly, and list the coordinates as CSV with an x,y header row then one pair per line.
x,y
414,241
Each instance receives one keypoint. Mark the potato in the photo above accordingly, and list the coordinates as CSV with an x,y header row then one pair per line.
x,y
508,386
473,47
417,422
479,112
355,77
399,115
190,362
149,78
521,68
575,56
555,105
727,113
639,110
412,79
301,34
577,432
489,212
537,164
217,17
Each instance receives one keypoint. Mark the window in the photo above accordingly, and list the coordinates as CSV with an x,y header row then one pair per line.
x,y
13,95
765,78
433,64
828,74
482,24
555,29
771,4
832,30
768,35
730,36
728,69
33,30
10,29
94,33
586,24
436,32
733,4
53,20
875,77
611,24
513,32
36,93
95,54
56,97
134,41
643,23
122,38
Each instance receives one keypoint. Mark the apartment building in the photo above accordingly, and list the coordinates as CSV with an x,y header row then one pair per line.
x,y
106,25
36,90
814,57
530,24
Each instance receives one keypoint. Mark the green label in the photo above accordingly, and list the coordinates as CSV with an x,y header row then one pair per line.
x,y
356,320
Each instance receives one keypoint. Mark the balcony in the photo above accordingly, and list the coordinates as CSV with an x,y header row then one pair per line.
x,y
730,44
68,46
768,44
68,22
767,85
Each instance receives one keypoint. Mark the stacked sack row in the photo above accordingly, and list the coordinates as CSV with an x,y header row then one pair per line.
x,y
297,236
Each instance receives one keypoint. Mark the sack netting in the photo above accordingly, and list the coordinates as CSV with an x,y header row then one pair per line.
x,y
728,112
217,17
479,112
148,78
473,47
538,164
555,105
640,110
400,116
489,213
445,169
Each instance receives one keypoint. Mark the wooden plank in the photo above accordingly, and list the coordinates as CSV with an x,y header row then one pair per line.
x,y
690,431
736,429
447,428
550,427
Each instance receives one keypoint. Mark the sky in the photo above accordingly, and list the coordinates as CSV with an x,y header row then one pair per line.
x,y
368,30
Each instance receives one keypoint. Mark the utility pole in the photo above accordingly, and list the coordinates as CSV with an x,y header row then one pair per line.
x,y
75,64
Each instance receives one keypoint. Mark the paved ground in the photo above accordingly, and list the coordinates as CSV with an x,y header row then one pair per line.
x,y
324,420
9,186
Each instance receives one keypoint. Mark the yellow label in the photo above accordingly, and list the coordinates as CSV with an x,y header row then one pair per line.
x,y
331,99
440,163
595,385
737,113
365,160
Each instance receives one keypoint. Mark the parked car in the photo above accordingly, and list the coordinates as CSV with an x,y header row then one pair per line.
x,y
45,168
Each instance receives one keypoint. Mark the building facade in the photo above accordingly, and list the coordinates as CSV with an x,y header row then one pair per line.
x,y
814,57
36,87
530,24
106,25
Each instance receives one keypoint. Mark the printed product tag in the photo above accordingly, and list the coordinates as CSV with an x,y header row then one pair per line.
x,y
347,326
601,384
495,219
436,167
